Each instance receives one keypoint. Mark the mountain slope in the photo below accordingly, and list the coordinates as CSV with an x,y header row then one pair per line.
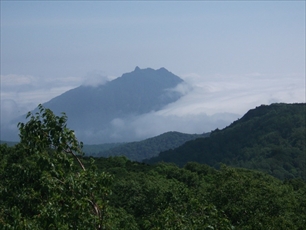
x,y
137,92
267,138
148,148
95,112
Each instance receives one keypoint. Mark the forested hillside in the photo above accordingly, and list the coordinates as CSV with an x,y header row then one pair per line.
x,y
45,183
268,138
148,148
164,196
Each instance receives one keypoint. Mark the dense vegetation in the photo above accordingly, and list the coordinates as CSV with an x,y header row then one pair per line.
x,y
141,150
164,196
268,138
45,183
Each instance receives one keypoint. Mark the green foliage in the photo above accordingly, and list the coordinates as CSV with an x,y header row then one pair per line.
x,y
252,200
164,196
271,139
44,185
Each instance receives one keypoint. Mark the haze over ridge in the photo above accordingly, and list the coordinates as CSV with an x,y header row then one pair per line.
x,y
233,56
176,106
124,109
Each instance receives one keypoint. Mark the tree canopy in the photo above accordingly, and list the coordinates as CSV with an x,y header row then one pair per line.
x,y
44,185
47,183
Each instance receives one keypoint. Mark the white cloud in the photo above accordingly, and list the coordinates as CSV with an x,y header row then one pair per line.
x,y
16,80
8,110
153,124
95,78
182,88
26,92
236,94
208,102
144,126
211,102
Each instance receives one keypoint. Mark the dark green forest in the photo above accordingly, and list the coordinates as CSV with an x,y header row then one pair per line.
x,y
269,138
46,182
197,196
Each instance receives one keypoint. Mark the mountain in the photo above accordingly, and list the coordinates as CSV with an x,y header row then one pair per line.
x,y
141,150
98,113
8,143
268,138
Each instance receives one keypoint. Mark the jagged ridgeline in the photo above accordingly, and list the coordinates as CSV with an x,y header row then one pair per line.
x,y
96,113
268,138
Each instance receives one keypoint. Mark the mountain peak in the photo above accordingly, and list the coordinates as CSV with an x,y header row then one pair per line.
x,y
97,114
163,69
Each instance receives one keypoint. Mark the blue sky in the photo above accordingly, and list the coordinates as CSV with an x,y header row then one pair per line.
x,y
239,54
72,38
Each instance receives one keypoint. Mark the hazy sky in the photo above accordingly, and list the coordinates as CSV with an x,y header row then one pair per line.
x,y
234,54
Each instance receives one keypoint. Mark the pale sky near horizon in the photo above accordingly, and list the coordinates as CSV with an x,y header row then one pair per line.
x,y
234,54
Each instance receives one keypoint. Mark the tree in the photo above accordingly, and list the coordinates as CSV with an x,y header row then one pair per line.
x,y
44,184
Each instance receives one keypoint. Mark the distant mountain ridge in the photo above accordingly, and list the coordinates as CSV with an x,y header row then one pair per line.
x,y
93,112
270,138
137,150
139,91
140,150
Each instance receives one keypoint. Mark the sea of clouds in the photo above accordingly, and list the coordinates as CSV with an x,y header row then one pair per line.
x,y
208,102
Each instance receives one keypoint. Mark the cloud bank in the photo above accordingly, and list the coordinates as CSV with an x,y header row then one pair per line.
x,y
135,128
22,93
95,78
209,102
